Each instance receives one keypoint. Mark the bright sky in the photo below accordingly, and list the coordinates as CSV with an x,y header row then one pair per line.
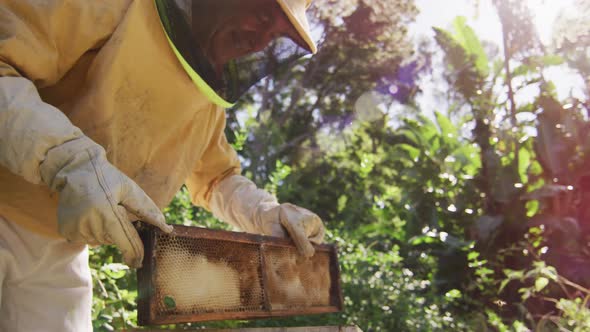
x,y
483,17
484,20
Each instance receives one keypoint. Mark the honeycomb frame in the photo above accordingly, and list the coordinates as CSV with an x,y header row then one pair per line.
x,y
270,300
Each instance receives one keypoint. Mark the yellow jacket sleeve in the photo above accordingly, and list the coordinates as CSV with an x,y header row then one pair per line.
x,y
39,42
219,161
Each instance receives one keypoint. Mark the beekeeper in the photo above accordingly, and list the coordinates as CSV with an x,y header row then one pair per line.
x,y
106,109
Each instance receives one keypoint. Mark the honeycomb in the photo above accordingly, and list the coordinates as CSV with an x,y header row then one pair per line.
x,y
295,281
196,276
216,275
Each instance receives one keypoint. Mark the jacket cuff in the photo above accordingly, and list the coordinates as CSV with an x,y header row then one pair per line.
x,y
237,201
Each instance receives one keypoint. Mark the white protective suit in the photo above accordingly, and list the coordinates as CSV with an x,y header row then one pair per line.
x,y
99,120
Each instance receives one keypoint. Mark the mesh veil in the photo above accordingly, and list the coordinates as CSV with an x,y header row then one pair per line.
x,y
237,75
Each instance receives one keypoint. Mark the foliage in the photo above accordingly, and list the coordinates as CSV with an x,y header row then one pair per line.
x,y
571,39
115,290
532,171
362,45
472,219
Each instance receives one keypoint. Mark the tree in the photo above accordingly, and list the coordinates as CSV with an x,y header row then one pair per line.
x,y
362,42
534,158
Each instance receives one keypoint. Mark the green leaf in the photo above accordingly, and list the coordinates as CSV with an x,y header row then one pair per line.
x,y
541,283
522,70
550,272
423,239
468,79
342,202
532,207
453,294
426,125
518,326
524,160
533,62
473,255
115,270
411,151
468,39
468,158
550,60
483,271
169,302
448,130
514,274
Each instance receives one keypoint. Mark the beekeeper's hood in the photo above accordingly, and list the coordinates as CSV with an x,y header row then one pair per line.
x,y
226,46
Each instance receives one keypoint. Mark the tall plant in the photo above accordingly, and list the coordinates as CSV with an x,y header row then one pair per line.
x,y
534,155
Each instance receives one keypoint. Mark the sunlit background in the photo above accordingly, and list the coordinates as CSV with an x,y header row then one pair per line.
x,y
483,18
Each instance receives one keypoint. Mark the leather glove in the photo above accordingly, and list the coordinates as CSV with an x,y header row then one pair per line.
x,y
95,199
237,201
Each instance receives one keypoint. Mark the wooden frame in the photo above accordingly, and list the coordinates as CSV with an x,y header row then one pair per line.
x,y
148,315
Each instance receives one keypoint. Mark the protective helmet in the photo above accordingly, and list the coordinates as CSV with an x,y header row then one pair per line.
x,y
226,46
295,11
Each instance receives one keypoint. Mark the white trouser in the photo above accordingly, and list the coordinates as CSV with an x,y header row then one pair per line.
x,y
45,284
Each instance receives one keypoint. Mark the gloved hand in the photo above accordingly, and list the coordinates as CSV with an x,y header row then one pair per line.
x,y
39,143
302,225
95,199
237,201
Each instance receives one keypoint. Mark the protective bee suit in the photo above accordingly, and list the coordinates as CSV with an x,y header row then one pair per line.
x,y
105,111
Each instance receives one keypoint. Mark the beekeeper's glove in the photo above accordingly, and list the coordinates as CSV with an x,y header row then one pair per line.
x,y
237,201
39,143
95,197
